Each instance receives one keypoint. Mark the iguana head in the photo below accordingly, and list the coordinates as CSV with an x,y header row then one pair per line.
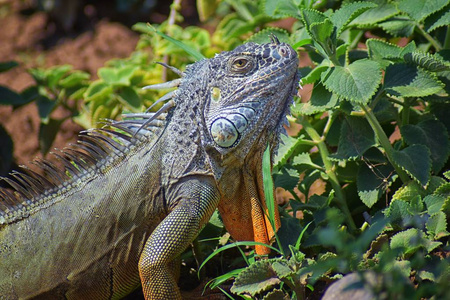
x,y
249,93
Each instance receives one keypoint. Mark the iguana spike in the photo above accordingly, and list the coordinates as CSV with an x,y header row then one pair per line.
x,y
165,85
166,97
175,70
163,109
274,39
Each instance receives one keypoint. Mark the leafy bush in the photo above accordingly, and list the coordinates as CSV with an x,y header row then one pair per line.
x,y
374,133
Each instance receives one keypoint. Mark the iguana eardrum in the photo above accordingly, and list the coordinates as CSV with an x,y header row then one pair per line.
x,y
133,195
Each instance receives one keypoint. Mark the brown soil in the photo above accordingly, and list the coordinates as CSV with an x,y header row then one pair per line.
x,y
21,39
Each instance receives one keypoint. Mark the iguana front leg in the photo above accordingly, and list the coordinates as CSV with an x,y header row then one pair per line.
x,y
197,201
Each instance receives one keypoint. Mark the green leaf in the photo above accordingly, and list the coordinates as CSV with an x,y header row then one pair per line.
x,y
286,178
98,90
54,74
437,225
379,49
383,11
415,160
263,36
117,76
356,137
47,134
315,73
427,61
255,279
191,51
8,65
434,203
280,8
439,19
321,100
399,26
45,107
74,79
420,9
281,267
275,294
9,97
372,183
430,133
405,80
287,147
206,8
348,12
128,96
412,240
323,32
409,191
356,82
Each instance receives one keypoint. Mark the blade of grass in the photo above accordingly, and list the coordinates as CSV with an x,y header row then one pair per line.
x,y
191,51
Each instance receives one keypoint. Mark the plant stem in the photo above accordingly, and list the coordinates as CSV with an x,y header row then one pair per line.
x,y
384,141
329,170
447,39
405,111
428,37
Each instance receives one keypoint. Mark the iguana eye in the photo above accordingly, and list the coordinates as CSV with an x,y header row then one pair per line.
x,y
241,65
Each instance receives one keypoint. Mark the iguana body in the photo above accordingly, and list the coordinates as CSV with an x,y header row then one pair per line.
x,y
134,196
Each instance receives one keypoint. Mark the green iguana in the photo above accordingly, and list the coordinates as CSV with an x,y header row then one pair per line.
x,y
133,195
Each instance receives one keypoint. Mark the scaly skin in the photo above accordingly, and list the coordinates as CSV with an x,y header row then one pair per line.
x,y
134,203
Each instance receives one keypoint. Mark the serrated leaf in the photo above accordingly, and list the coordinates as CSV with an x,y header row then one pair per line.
x,y
412,240
321,100
281,8
263,36
409,191
398,211
415,160
434,203
420,9
356,137
379,49
398,26
437,225
281,267
356,82
325,35
405,80
255,279
276,294
438,19
383,11
311,16
430,133
286,178
285,150
372,182
427,61
348,12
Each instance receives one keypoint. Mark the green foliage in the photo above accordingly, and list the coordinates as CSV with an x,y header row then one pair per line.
x,y
373,135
